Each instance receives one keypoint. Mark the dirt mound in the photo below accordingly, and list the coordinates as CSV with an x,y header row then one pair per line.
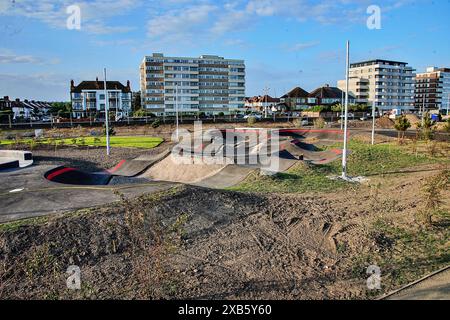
x,y
384,123
413,119
170,170
217,253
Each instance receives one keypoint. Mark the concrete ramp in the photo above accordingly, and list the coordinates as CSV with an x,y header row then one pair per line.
x,y
229,176
10,159
134,167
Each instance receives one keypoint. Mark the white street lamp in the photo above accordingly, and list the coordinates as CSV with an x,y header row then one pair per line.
x,y
108,150
344,153
176,108
373,122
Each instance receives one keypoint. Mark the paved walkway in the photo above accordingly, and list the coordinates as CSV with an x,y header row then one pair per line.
x,y
436,287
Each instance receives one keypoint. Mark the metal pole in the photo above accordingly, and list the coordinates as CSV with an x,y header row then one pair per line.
x,y
342,111
423,111
344,153
117,104
176,107
373,122
108,150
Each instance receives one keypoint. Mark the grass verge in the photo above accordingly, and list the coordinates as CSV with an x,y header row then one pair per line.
x,y
123,142
364,160
406,252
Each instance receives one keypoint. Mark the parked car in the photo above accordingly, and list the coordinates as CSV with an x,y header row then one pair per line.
x,y
350,115
255,115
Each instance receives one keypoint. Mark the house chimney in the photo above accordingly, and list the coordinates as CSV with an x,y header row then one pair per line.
x,y
17,100
72,84
128,85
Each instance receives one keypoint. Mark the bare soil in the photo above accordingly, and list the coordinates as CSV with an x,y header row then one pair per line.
x,y
199,243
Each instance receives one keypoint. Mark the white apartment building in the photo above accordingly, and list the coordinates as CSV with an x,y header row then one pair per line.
x,y
88,98
432,91
209,84
390,84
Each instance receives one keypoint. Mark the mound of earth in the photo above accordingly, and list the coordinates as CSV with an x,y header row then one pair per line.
x,y
413,119
384,123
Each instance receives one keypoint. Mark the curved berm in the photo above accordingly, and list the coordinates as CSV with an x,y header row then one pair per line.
x,y
10,159
134,167
77,177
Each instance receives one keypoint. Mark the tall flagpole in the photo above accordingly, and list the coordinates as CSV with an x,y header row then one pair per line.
x,y
344,153
342,111
108,150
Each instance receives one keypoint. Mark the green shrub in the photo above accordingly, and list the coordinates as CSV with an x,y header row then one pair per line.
x,y
251,121
319,123
297,123
401,125
447,125
156,123
112,131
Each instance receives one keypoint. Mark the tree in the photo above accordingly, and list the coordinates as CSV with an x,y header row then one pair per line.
x,y
447,126
62,109
136,104
426,127
401,125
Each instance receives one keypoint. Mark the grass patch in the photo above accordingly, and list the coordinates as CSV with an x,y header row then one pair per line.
x,y
413,251
299,179
364,160
16,225
122,142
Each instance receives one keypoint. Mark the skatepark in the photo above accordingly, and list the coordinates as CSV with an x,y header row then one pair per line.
x,y
28,190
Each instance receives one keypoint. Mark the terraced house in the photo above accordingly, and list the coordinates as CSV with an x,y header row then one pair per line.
x,y
208,84
88,98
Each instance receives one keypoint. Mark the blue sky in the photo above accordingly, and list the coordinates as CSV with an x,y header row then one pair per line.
x,y
285,43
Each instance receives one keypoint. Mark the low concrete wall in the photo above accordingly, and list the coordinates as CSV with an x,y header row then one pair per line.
x,y
25,158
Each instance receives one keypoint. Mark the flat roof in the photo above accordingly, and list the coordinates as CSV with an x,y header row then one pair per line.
x,y
202,57
377,61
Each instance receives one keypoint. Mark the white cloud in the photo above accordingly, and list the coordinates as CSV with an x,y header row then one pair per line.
x,y
180,22
10,57
302,46
94,14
